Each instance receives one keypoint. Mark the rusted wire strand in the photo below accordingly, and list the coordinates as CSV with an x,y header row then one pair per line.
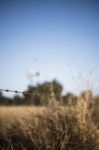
x,y
20,92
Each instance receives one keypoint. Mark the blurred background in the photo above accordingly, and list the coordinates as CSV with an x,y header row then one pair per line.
x,y
49,39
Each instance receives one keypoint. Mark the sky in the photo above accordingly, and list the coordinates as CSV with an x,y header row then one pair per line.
x,y
57,38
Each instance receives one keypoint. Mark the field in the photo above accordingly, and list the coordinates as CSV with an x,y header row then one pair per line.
x,y
49,128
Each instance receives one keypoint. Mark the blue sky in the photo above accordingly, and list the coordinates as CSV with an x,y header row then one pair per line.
x,y
58,38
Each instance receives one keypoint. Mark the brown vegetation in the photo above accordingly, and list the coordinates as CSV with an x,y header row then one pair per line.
x,y
53,127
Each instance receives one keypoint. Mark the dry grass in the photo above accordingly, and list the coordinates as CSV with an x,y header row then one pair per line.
x,y
49,128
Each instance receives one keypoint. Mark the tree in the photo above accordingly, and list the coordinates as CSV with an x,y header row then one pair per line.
x,y
4,100
69,99
43,91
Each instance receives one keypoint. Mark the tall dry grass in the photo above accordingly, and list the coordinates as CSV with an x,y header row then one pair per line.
x,y
49,128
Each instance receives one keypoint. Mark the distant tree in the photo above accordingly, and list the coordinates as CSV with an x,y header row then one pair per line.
x,y
17,100
1,95
43,92
58,88
5,100
69,99
1,98
33,98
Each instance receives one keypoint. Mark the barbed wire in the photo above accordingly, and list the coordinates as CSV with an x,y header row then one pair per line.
x,y
20,92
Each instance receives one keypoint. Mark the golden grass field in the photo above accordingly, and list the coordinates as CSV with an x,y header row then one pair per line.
x,y
49,128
